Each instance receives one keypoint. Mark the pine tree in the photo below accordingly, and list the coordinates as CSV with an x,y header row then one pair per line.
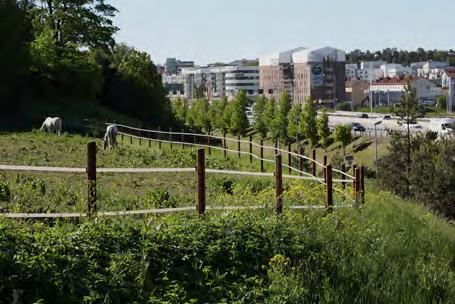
x,y
269,112
293,120
343,135
323,128
259,108
307,125
239,120
280,121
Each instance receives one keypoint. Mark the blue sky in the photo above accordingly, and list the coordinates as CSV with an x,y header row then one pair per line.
x,y
223,30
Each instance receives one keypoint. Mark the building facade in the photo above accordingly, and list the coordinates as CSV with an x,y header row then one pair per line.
x,y
388,92
357,92
319,73
174,66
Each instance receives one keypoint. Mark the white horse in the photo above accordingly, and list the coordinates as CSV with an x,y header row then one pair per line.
x,y
110,137
52,124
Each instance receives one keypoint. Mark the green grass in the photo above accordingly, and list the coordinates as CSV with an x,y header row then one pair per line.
x,y
387,251
66,192
390,251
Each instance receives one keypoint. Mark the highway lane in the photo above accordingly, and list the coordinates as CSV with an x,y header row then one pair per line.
x,y
368,123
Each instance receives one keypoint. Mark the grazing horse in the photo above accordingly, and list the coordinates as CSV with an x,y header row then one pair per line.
x,y
52,124
110,137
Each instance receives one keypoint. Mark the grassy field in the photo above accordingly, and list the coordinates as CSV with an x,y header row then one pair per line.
x,y
387,251
66,192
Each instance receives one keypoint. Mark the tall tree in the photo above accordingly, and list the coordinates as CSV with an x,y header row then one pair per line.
x,y
407,113
293,121
80,23
269,112
280,122
259,108
343,135
323,128
307,124
239,120
179,109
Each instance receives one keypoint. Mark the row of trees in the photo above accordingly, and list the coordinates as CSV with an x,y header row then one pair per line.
x,y
64,54
281,121
399,56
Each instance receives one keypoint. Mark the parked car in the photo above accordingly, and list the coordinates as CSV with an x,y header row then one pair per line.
x,y
355,126
362,115
412,125
384,117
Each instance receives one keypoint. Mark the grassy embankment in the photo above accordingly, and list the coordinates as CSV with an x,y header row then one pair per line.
x,y
388,251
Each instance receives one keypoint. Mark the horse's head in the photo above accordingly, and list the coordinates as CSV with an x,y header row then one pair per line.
x,y
104,144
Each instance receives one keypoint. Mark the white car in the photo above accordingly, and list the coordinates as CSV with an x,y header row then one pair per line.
x,y
412,126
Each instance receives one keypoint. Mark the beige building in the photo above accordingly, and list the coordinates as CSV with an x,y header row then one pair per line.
x,y
357,93
318,73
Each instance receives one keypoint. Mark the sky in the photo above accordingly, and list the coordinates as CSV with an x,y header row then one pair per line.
x,y
208,31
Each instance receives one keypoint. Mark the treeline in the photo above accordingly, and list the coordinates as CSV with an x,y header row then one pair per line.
x,y
59,57
280,121
393,55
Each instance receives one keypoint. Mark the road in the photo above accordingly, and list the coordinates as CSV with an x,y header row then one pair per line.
x,y
368,123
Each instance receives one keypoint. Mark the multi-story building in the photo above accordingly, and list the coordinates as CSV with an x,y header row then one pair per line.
x,y
222,80
173,84
351,71
174,66
319,73
448,84
389,91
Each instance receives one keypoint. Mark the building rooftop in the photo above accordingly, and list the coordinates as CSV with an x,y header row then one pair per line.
x,y
317,54
350,83
450,72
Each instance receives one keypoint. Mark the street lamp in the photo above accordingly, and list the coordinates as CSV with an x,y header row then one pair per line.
x,y
376,136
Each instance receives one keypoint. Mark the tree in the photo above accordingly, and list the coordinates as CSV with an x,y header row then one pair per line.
x,y
227,115
307,125
179,110
441,101
239,120
407,113
14,55
344,106
201,116
293,121
81,23
199,90
342,134
269,112
259,108
280,122
323,128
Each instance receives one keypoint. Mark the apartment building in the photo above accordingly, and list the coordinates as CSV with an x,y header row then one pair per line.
x,y
319,73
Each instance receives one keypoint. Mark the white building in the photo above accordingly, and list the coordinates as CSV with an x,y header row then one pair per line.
x,y
389,91
448,84
241,77
428,66
351,71
222,80
366,65
370,75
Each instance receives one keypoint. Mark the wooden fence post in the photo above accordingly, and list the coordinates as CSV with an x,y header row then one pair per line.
x,y
91,177
325,164
357,183
362,184
278,184
150,137
289,157
224,144
276,147
329,188
261,155
354,184
140,139
170,137
159,135
301,151
251,149
131,139
343,177
208,144
122,137
201,181
238,144
183,140
313,167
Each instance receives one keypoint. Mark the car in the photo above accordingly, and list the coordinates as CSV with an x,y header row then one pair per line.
x,y
412,125
362,115
355,126
384,117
